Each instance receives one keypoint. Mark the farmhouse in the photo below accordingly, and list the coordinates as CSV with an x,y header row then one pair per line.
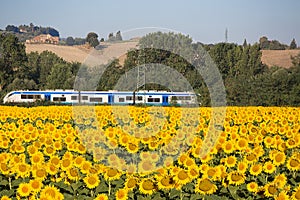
x,y
44,38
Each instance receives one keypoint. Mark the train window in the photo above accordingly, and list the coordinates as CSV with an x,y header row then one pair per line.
x,y
129,98
84,97
73,97
121,99
59,98
181,98
30,96
139,98
95,99
153,99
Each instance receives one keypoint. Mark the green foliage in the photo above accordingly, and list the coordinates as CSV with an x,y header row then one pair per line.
x,y
271,45
92,39
24,32
70,41
293,44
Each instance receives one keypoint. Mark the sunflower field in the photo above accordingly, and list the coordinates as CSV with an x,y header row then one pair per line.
x,y
127,152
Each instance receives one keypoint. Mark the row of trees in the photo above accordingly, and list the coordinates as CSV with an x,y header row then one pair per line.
x,y
246,79
265,43
32,71
24,32
92,39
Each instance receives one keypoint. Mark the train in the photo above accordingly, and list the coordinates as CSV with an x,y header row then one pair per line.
x,y
147,97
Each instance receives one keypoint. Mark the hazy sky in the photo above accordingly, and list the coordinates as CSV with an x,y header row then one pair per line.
x,y
204,20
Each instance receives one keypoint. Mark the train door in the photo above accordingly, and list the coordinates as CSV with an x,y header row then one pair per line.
x,y
47,97
165,101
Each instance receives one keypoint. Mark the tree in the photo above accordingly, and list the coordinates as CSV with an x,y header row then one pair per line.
x,y
293,44
60,77
70,41
245,44
119,36
92,39
264,43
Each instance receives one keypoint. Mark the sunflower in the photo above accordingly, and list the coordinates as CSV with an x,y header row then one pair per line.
x,y
280,180
147,186
293,164
252,187
66,163
242,167
39,173
55,161
51,192
296,193
73,174
255,169
279,158
146,166
282,196
269,167
122,194
205,186
236,178
130,183
270,190
51,169
101,197
165,182
250,158
228,147
112,174
37,158
92,181
24,189
132,147
36,185
5,198
181,177
22,170
230,161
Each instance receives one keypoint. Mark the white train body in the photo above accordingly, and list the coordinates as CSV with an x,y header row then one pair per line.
x,y
103,97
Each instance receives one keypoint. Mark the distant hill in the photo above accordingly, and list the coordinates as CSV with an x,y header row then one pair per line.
x,y
86,54
280,58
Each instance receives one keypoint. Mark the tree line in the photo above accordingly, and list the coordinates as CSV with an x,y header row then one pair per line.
x,y
246,79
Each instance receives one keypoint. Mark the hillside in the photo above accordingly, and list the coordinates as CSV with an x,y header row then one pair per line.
x,y
281,58
85,54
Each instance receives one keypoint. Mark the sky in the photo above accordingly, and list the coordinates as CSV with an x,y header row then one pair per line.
x,y
203,20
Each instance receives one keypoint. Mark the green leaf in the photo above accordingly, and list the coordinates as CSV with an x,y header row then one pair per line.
x,y
4,182
84,191
75,186
174,193
7,192
101,188
195,196
16,182
232,190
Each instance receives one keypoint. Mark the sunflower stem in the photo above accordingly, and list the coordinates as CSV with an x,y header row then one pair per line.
x,y
9,182
109,188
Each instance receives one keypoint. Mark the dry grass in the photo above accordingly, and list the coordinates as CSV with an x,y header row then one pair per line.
x,y
85,54
281,58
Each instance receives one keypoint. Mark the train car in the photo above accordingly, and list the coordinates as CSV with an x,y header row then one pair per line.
x,y
147,97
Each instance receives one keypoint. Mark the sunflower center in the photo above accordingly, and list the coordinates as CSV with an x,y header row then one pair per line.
x,y
272,189
25,189
35,185
131,183
40,173
165,181
51,192
132,146
148,185
279,157
112,172
205,185
236,177
22,168
250,157
182,175
294,163
92,180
